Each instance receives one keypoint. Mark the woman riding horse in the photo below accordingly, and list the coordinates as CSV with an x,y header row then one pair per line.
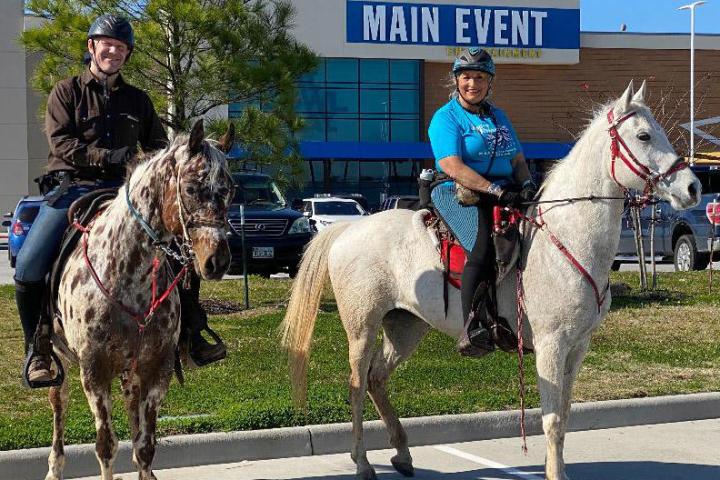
x,y
475,145
93,123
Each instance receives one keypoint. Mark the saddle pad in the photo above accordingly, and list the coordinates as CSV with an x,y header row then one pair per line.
x,y
456,262
85,208
461,220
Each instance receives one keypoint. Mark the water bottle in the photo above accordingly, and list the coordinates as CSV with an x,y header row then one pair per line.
x,y
424,181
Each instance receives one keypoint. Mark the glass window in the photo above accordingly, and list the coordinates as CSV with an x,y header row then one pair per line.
x,y
349,99
342,130
404,71
310,99
313,130
374,71
342,70
374,131
337,208
316,76
404,101
404,131
374,101
342,100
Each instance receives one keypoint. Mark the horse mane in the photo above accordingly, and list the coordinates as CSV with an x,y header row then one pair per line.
x,y
218,165
579,167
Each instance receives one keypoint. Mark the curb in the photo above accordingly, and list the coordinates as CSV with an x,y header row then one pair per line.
x,y
216,448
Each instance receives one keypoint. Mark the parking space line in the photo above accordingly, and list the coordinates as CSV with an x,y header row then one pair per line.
x,y
488,463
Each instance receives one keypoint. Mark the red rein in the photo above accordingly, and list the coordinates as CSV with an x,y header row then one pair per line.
x,y
140,319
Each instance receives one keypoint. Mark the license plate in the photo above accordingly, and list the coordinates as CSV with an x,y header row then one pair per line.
x,y
263,252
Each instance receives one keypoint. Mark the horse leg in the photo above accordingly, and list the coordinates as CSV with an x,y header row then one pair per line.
x,y
59,397
100,402
403,332
572,367
152,393
131,396
551,361
362,329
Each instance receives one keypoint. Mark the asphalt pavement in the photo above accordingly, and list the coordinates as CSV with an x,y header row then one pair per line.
x,y
673,451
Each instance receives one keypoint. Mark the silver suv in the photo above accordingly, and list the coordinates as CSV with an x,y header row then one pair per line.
x,y
682,238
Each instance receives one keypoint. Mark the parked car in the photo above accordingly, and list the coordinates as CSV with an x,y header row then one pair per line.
x,y
328,210
401,201
19,224
682,238
275,235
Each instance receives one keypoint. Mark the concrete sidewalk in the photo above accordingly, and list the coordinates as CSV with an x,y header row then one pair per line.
x,y
221,448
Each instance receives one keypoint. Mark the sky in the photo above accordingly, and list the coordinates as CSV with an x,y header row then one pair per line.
x,y
658,16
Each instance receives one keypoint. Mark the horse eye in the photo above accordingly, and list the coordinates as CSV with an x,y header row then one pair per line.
x,y
643,136
190,190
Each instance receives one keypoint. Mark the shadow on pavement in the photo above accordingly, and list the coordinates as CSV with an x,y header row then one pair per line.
x,y
577,471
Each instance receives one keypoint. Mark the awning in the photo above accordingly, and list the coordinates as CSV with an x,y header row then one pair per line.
x,y
402,151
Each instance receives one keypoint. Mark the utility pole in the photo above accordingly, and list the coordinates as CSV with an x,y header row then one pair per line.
x,y
692,7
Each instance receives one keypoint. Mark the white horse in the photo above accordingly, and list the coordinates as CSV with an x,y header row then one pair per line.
x,y
386,274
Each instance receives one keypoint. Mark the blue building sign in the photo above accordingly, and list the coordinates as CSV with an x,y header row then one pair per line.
x,y
462,25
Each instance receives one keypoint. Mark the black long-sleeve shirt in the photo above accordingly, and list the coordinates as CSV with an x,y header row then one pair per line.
x,y
83,125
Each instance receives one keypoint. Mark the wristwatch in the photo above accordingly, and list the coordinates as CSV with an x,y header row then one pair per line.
x,y
495,189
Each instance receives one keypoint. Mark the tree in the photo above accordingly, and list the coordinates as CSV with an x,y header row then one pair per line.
x,y
190,57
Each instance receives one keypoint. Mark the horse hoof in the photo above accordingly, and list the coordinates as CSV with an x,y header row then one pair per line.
x,y
405,469
366,475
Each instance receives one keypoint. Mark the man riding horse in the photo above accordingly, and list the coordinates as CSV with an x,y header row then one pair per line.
x,y
93,123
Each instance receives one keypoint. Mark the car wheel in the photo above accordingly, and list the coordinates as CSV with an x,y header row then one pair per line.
x,y
12,261
686,257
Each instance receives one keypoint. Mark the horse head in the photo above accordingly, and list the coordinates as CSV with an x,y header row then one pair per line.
x,y
642,156
197,199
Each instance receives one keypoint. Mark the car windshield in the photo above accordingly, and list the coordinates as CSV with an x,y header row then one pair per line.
x,y
253,190
337,208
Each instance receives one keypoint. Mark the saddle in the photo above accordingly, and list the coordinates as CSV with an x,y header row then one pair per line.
x,y
453,253
82,210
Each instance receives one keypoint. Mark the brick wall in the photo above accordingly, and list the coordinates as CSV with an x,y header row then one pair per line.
x,y
552,103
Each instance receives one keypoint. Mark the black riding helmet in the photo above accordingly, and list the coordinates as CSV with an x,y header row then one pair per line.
x,y
474,59
113,26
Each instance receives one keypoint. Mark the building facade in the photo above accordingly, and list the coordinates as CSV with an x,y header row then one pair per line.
x,y
384,72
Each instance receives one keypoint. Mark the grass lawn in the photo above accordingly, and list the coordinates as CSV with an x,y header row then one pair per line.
x,y
651,344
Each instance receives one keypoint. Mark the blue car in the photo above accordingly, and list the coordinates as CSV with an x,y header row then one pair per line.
x,y
20,223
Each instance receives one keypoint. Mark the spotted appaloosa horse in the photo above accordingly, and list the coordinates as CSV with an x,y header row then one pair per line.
x,y
182,192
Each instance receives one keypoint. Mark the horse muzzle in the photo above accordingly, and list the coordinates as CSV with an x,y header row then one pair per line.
x,y
212,253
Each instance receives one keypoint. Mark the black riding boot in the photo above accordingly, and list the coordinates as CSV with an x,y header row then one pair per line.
x,y
193,320
475,340
29,299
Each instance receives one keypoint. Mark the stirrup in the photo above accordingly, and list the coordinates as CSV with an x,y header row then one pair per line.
x,y
54,382
218,343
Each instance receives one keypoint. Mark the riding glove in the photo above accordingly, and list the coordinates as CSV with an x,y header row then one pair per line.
x,y
510,198
118,158
528,192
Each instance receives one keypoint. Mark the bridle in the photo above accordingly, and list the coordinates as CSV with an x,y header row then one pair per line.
x,y
617,145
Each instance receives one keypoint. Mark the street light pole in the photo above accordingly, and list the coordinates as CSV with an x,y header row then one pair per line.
x,y
691,7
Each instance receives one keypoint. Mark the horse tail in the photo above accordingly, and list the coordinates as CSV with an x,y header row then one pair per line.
x,y
299,322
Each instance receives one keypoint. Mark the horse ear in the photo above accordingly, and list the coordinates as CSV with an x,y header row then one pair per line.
x,y
227,140
197,135
623,103
639,96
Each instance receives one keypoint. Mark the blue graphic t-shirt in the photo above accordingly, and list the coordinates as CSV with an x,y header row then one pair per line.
x,y
456,132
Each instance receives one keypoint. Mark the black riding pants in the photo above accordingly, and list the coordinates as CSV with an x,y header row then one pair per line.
x,y
480,265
